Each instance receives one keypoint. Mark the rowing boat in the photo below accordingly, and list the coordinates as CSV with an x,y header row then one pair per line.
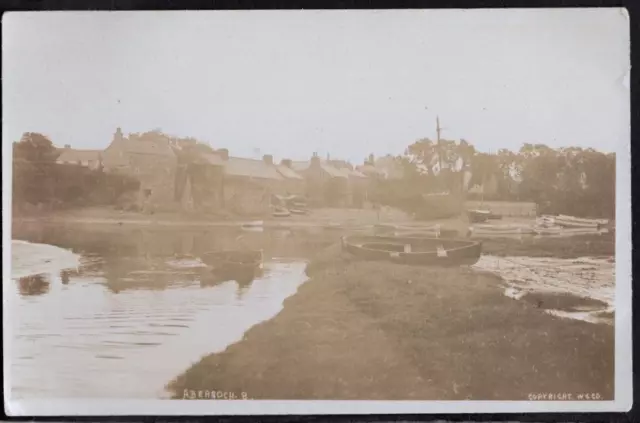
x,y
413,250
478,216
441,233
233,260
500,230
564,217
281,213
559,230
576,224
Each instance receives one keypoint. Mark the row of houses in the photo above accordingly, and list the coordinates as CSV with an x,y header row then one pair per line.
x,y
182,173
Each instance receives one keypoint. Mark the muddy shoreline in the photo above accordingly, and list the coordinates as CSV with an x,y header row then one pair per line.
x,y
378,331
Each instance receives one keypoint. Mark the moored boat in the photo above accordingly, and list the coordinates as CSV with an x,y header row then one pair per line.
x,y
298,211
576,224
565,217
281,213
413,250
233,260
501,229
478,216
560,230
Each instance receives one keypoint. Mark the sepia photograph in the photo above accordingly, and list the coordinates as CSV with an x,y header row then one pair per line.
x,y
316,212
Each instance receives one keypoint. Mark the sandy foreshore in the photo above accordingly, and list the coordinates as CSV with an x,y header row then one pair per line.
x,y
378,331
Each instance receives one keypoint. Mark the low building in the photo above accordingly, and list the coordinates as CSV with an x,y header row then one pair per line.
x,y
294,183
150,158
326,185
199,179
87,158
358,183
249,184
386,167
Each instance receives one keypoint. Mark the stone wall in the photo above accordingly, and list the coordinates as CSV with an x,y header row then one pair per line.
x,y
243,196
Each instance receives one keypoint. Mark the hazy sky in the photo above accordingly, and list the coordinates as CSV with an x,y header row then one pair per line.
x,y
347,83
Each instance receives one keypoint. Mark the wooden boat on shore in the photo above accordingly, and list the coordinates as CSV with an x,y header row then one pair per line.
x,y
442,233
576,224
281,213
478,216
389,228
559,230
414,251
298,211
489,229
564,217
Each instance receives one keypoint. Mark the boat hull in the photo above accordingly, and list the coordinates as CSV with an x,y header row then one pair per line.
x,y
421,251
233,261
478,216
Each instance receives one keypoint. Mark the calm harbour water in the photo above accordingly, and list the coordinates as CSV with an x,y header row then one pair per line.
x,y
119,313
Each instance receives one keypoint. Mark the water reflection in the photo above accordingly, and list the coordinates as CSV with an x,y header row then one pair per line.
x,y
34,285
140,307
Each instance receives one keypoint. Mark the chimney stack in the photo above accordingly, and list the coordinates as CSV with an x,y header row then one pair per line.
x,y
371,159
224,153
268,159
286,162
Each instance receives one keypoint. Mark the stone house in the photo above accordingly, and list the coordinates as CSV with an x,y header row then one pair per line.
x,y
249,184
382,168
150,158
199,180
326,185
294,183
87,158
358,182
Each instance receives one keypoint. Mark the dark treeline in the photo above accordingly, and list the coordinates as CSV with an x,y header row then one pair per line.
x,y
573,180
39,182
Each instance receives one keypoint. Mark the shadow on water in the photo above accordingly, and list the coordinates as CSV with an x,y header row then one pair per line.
x,y
159,258
34,285
106,299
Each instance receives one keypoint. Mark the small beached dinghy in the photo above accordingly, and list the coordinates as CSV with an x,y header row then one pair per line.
x,y
281,213
255,226
478,216
298,211
415,251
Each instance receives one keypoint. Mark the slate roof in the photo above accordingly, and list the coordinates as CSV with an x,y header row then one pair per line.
x,y
288,173
73,156
250,168
148,144
300,166
330,169
212,159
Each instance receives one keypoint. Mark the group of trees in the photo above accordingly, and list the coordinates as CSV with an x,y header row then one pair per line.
x,y
570,180
38,181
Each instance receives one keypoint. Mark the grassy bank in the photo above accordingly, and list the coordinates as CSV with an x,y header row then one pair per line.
x,y
372,330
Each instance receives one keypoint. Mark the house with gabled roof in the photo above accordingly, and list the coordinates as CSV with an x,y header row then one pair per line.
x,y
150,158
199,177
294,182
249,184
327,182
87,158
